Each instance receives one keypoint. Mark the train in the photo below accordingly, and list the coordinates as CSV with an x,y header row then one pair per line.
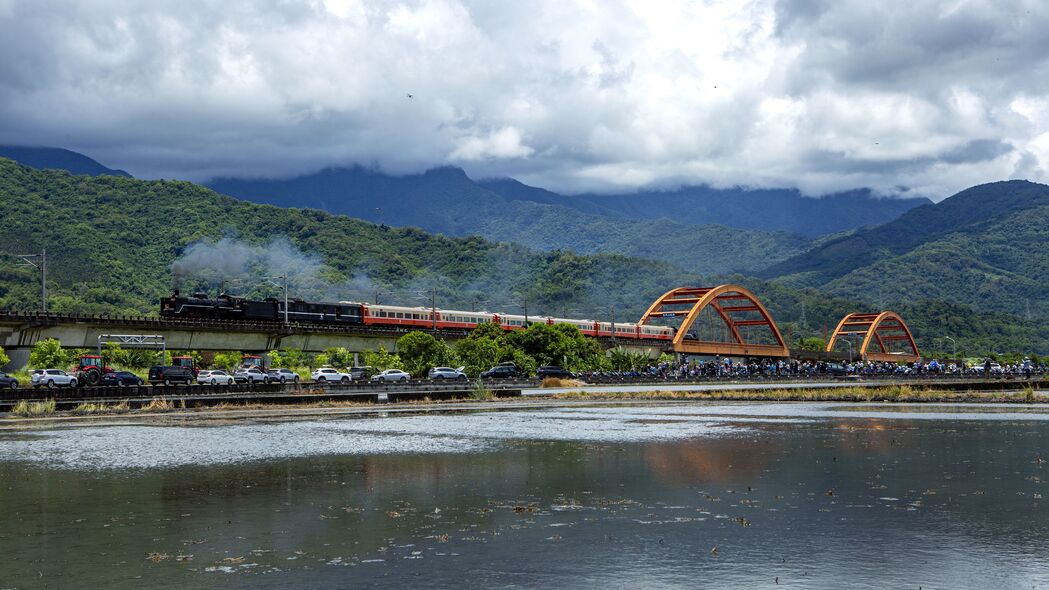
x,y
231,307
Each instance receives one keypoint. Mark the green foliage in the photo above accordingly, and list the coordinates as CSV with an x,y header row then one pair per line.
x,y
561,344
227,360
382,359
337,357
478,353
4,359
140,358
621,359
811,343
113,354
419,351
289,357
48,354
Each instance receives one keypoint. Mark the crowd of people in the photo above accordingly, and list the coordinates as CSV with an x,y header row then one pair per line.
x,y
719,367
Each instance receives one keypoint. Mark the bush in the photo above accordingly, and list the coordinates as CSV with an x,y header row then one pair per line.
x,y
419,351
227,360
4,359
48,354
338,357
382,359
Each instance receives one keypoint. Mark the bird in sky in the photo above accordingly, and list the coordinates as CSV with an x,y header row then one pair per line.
x,y
410,96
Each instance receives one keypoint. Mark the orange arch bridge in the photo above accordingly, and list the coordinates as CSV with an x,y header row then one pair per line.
x,y
886,330
751,331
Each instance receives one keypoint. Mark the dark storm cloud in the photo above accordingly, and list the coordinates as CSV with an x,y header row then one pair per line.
x,y
824,96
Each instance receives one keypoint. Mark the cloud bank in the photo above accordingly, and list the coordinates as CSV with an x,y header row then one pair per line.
x,y
923,97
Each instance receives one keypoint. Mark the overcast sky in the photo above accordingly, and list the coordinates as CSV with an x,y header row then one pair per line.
x,y
930,97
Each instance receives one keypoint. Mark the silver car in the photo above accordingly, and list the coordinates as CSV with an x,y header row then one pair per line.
x,y
52,378
447,373
215,377
391,375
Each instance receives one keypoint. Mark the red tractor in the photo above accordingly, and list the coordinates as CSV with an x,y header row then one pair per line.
x,y
252,360
89,369
187,362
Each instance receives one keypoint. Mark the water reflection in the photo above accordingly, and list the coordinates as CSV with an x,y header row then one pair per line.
x,y
869,501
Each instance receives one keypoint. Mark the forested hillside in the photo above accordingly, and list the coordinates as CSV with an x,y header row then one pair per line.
x,y
112,242
115,245
985,246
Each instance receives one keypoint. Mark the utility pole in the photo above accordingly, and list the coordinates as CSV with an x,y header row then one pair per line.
x,y
526,311
613,324
284,283
433,307
29,260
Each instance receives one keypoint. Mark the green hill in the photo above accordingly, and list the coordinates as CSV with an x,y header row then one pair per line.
x,y
984,247
116,245
112,241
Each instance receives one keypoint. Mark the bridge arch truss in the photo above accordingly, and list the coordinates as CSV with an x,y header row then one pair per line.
x,y
751,330
885,337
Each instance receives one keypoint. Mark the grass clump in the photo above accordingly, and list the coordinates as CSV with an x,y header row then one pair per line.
x,y
559,382
159,405
89,408
28,409
480,392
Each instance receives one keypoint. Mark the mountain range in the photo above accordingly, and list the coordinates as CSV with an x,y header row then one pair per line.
x,y
50,158
700,229
972,266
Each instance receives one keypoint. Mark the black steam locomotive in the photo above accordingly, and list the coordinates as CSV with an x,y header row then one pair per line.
x,y
231,307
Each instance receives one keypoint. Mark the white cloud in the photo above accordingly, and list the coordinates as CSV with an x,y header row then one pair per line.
x,y
503,143
569,95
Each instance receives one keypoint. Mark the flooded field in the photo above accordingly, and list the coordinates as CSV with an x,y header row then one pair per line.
x,y
584,496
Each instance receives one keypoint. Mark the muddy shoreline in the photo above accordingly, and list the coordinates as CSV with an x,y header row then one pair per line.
x,y
218,414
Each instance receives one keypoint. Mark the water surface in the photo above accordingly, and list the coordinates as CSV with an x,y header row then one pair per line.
x,y
652,495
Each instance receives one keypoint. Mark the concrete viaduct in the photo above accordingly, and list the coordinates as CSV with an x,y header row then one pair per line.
x,y
19,331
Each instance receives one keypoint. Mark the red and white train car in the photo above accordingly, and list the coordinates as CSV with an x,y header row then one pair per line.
x,y
423,317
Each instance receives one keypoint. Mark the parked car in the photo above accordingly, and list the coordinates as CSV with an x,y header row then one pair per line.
x,y
215,377
169,375
52,378
837,370
501,372
447,373
357,373
283,375
391,375
251,375
120,379
8,381
328,374
553,371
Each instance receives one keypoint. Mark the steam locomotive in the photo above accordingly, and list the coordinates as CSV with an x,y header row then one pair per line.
x,y
229,307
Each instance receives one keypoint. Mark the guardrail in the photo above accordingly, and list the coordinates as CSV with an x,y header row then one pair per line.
x,y
420,387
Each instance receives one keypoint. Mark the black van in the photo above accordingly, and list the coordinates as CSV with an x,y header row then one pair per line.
x,y
169,375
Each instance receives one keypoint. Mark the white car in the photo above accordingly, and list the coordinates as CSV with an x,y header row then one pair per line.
x,y
52,378
251,375
391,375
447,373
328,374
214,377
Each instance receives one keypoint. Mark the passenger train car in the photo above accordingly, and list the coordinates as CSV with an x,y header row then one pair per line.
x,y
228,307
422,317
